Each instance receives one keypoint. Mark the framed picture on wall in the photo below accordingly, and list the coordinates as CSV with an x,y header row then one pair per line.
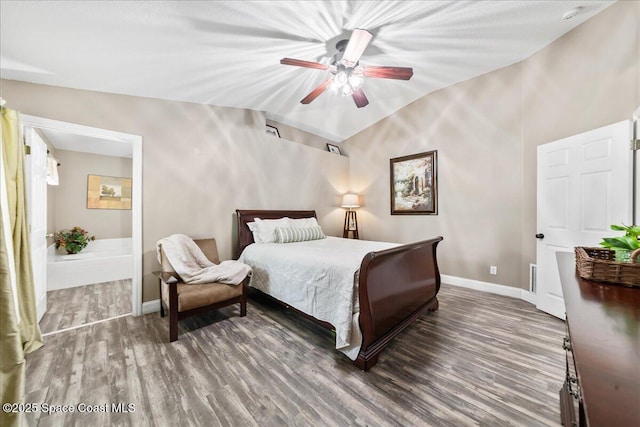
x,y
414,184
333,149
272,130
108,192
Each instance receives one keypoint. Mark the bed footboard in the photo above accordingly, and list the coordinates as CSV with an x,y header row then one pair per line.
x,y
396,286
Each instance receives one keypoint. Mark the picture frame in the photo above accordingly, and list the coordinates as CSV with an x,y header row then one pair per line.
x,y
272,130
414,184
334,149
108,192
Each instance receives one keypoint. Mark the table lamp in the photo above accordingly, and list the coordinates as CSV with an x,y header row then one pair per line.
x,y
350,202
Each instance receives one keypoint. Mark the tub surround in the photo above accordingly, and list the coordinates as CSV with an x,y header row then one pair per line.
x,y
102,261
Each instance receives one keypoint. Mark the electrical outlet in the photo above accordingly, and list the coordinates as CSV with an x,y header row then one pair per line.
x,y
493,270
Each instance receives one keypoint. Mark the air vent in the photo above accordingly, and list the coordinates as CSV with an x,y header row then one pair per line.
x,y
533,277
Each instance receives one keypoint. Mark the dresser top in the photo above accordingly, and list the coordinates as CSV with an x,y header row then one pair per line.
x,y
604,324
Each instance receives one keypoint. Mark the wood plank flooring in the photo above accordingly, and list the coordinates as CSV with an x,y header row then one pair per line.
x,y
85,304
482,359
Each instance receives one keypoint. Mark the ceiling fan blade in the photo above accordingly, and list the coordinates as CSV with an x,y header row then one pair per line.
x,y
360,98
301,63
398,73
357,44
317,91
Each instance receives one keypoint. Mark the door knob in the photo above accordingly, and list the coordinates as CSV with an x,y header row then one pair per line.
x,y
540,236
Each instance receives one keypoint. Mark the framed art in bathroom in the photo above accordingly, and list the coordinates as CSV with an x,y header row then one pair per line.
x,y
108,192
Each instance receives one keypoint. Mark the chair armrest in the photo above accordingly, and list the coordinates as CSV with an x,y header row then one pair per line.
x,y
165,276
172,288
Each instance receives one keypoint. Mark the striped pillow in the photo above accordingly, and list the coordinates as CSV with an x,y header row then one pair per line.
x,y
290,235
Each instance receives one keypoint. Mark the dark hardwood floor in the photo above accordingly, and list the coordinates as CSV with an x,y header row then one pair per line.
x,y
85,304
482,359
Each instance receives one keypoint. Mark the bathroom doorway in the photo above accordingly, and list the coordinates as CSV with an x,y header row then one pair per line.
x,y
104,280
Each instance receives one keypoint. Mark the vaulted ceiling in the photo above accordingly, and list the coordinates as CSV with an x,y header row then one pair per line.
x,y
227,53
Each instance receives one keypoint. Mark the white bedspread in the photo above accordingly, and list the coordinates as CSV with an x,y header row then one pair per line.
x,y
316,277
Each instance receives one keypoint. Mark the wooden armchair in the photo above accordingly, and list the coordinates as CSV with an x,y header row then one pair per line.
x,y
183,300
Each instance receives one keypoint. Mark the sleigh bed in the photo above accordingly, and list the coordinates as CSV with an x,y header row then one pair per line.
x,y
392,286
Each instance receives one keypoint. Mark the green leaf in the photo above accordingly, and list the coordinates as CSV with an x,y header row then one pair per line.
x,y
624,242
605,244
634,231
630,230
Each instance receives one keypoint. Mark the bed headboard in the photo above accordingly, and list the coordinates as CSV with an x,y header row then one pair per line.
x,y
245,237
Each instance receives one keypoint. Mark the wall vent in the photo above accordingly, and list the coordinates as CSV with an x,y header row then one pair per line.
x,y
533,277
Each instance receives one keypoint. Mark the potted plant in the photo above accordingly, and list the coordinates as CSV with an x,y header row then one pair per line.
x,y
625,245
74,240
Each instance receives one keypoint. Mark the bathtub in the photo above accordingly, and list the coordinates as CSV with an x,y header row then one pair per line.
x,y
102,260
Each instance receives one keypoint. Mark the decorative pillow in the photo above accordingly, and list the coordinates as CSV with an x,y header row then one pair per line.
x,y
253,227
298,234
303,222
267,228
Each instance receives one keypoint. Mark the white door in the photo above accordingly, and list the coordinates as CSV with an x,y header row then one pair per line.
x,y
36,179
584,186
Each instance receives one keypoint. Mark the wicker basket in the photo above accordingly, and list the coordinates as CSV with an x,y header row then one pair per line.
x,y
599,265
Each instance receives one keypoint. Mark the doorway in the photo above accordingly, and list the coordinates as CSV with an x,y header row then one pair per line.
x,y
584,186
109,143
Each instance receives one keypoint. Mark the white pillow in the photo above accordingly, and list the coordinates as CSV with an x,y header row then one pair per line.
x,y
303,223
267,228
298,234
253,227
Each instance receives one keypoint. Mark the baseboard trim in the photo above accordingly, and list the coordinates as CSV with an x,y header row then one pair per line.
x,y
494,288
529,297
152,306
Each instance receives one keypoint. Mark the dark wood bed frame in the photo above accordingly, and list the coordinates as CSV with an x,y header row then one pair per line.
x,y
396,285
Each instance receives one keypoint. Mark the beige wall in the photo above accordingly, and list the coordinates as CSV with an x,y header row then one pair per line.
x,y
486,131
199,164
70,197
475,128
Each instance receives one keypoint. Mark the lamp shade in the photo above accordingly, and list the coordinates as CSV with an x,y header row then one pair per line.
x,y
350,201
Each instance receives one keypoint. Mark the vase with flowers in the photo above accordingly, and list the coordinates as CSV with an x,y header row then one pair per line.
x,y
74,240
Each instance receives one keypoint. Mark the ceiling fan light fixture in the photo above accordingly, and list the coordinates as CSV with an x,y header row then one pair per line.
x,y
347,74
341,78
346,82
347,90
355,81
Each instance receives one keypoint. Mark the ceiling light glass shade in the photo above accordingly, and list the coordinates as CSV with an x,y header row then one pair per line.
x,y
335,86
346,82
350,201
355,82
341,78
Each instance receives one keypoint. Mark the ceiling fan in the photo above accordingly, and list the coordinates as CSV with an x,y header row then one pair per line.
x,y
347,73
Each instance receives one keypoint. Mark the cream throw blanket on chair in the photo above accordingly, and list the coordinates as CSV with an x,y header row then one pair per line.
x,y
192,265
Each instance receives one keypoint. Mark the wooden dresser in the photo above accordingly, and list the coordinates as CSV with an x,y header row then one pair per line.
x,y
602,385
